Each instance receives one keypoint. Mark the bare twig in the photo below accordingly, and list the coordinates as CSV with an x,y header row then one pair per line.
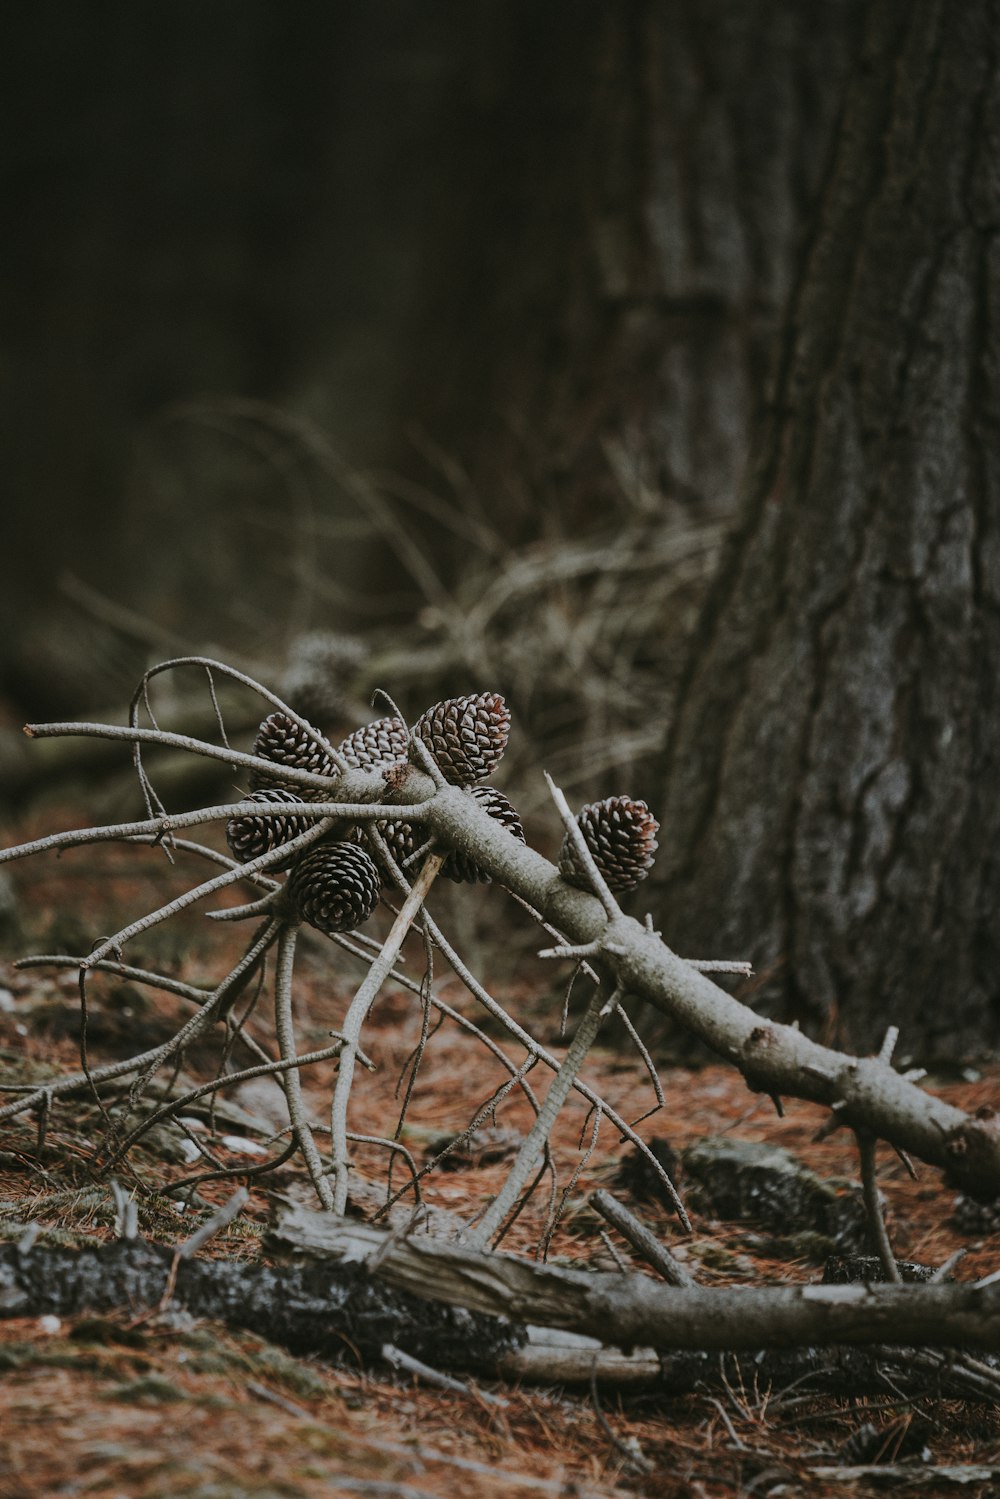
x,y
492,1220
630,1452
642,1240
405,1363
159,829
495,1009
228,1079
582,851
873,1207
355,1018
219,1221
285,1027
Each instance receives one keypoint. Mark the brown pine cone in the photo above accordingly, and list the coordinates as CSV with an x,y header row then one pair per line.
x,y
335,888
282,740
466,735
403,839
375,744
460,866
621,835
249,837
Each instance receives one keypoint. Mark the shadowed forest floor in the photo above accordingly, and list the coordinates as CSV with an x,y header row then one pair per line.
x,y
146,1406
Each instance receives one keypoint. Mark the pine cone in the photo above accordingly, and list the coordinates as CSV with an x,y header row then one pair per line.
x,y
403,839
621,835
375,744
335,888
282,740
249,837
466,735
461,867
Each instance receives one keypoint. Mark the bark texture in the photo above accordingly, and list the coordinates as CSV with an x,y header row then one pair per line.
x,y
831,775
624,223
339,1311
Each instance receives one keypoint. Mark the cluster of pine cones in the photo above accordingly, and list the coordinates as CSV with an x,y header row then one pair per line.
x,y
335,886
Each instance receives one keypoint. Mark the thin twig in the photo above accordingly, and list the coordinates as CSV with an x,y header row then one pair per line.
x,y
221,998
481,1114
145,1060
354,1020
216,1224
632,1455
264,1069
120,970
188,1183
245,680
647,1060
169,740
489,1225
406,1363
158,829
497,1010
277,855
285,1027
719,965
873,1207
582,851
557,1209
643,1241
461,1020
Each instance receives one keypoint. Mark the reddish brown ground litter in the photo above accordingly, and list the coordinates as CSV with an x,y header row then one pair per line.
x,y
105,1407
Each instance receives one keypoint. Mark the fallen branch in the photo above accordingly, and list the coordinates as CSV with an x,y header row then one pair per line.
x,y
552,1356
634,1309
316,1306
306,1307
867,1094
912,1475
775,1059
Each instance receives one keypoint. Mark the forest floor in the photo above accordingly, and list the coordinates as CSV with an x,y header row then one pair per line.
x,y
150,1409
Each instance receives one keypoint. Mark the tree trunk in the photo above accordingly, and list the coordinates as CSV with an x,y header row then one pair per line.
x,y
831,805
623,224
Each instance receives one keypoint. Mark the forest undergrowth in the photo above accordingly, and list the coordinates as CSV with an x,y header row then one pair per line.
x,y
258,1421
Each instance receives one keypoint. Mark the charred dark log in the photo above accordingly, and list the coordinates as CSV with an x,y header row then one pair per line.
x,y
339,1310
309,1307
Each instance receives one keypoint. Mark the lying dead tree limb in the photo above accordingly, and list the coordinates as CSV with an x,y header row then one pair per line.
x,y
635,1310
330,1305
422,788
323,834
306,1308
869,1094
774,1059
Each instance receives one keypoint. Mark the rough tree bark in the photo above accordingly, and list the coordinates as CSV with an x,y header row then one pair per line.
x,y
831,802
621,232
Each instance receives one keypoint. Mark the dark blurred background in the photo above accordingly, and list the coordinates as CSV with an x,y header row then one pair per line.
x,y
327,316
440,345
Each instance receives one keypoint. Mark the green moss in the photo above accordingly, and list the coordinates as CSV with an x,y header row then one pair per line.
x,y
151,1388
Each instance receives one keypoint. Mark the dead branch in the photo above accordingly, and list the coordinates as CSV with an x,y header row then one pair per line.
x,y
553,1356
641,1239
867,1094
318,1305
776,1059
635,1310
